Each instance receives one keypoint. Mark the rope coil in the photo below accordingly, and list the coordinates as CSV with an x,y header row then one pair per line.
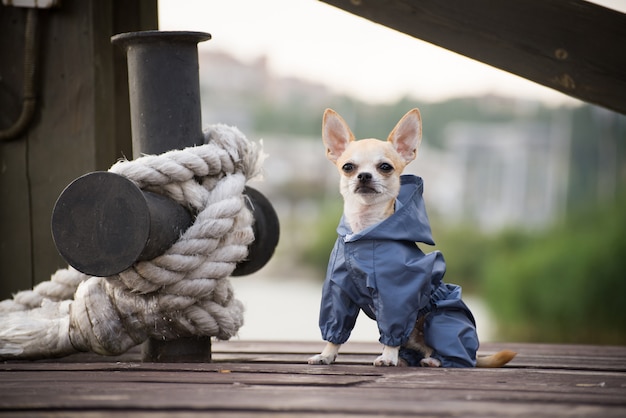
x,y
183,292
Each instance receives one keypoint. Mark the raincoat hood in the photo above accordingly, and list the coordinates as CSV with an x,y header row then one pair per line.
x,y
408,223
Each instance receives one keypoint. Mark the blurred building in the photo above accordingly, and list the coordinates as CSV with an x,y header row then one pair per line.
x,y
508,173
231,88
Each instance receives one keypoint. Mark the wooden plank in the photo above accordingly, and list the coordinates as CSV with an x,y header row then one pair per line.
x,y
294,347
235,395
568,45
576,357
289,386
222,376
545,356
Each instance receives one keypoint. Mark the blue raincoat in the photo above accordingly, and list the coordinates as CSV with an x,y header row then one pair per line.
x,y
382,272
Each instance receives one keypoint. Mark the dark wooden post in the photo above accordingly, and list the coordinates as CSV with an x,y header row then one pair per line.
x,y
79,125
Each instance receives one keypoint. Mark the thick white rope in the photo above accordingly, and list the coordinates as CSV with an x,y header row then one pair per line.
x,y
183,292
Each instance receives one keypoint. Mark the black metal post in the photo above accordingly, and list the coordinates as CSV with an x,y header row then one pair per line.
x,y
103,223
164,90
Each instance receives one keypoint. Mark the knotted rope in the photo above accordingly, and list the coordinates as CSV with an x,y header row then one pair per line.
x,y
183,292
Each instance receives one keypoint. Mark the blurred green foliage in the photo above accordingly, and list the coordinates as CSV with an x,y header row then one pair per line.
x,y
566,284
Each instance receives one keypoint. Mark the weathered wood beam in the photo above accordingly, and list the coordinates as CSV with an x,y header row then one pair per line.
x,y
81,122
571,46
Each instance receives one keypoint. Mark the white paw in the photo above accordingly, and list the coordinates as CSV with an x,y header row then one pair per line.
x,y
385,361
430,362
389,357
320,359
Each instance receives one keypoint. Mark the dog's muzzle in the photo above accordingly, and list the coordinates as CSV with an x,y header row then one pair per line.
x,y
363,184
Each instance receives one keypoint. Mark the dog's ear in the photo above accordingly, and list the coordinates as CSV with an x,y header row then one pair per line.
x,y
407,135
336,134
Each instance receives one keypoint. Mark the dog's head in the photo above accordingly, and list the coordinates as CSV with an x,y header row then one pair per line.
x,y
370,168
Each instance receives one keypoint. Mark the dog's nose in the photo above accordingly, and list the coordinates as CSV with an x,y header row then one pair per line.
x,y
364,177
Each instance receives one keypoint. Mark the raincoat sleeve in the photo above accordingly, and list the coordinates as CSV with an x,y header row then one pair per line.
x,y
338,313
339,308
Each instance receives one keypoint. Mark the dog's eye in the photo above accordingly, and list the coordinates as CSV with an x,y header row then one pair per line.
x,y
348,167
385,167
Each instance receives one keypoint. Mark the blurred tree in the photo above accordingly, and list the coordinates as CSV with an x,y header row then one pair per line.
x,y
566,284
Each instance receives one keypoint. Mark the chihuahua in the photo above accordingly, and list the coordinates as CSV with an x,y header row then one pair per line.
x,y
380,223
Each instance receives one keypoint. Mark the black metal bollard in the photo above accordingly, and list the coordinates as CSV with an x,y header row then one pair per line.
x,y
102,223
164,89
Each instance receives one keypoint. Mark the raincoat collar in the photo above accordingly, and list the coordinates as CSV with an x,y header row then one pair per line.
x,y
408,223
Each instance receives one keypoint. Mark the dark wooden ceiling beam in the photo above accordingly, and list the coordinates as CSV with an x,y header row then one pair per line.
x,y
572,46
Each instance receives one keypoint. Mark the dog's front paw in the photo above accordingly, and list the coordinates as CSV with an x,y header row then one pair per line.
x,y
320,359
384,361
388,358
430,362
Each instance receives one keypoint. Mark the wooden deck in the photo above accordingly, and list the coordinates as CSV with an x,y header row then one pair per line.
x,y
262,379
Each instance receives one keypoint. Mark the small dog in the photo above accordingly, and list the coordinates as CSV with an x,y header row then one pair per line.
x,y
361,273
